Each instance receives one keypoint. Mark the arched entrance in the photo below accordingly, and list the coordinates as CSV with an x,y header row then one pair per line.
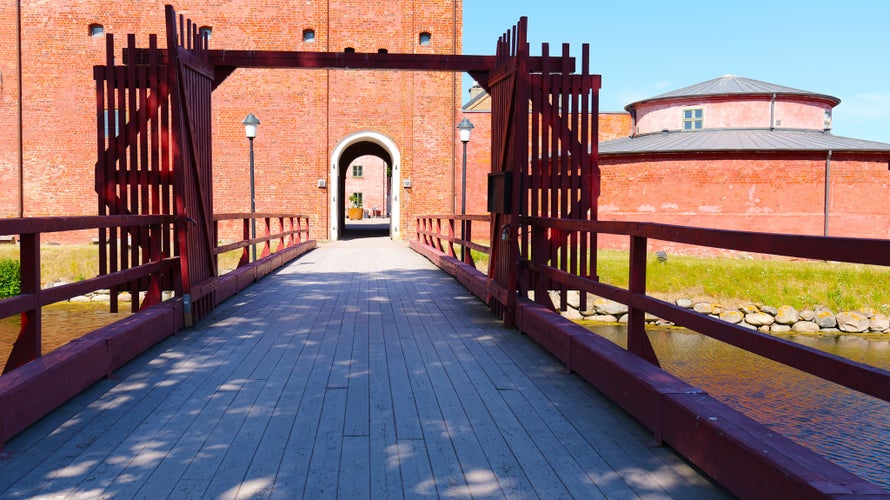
x,y
347,150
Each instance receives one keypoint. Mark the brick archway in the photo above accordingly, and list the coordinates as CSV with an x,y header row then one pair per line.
x,y
349,148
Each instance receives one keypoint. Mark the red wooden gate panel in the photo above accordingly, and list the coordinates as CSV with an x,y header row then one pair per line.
x,y
133,169
544,164
191,83
564,179
154,157
508,84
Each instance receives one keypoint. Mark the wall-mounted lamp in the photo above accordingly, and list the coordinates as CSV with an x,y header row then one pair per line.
x,y
406,183
322,183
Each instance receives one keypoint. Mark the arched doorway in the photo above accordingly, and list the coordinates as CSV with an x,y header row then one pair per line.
x,y
349,149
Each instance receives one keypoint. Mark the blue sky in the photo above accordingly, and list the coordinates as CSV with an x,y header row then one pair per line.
x,y
644,48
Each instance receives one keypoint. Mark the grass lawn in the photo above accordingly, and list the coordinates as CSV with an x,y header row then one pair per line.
x,y
729,281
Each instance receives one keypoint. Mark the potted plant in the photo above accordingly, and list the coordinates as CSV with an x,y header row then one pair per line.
x,y
356,212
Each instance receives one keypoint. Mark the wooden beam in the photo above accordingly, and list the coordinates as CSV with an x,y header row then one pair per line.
x,y
351,60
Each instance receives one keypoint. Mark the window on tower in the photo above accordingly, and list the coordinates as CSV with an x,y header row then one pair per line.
x,y
693,119
425,39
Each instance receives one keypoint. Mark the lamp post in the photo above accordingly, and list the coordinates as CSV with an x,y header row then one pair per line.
x,y
465,127
250,126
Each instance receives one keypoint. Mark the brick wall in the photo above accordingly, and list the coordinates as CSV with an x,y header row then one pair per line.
x,y
774,193
303,113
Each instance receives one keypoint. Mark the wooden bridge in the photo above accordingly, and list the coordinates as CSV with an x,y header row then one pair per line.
x,y
371,373
357,370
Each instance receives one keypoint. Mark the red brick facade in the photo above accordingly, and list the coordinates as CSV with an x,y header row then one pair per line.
x,y
304,114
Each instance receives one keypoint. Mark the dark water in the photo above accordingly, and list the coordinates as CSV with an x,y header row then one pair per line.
x,y
62,323
849,428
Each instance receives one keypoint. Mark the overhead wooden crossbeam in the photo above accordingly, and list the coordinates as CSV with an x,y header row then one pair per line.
x,y
226,61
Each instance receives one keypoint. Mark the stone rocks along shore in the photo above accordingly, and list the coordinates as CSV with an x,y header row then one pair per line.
x,y
760,317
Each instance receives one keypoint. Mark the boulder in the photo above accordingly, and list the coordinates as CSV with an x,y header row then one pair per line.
x,y
868,312
734,317
79,298
684,303
703,307
759,319
805,327
573,299
807,315
748,308
769,310
852,322
879,323
777,328
746,325
623,319
787,315
609,307
572,314
825,318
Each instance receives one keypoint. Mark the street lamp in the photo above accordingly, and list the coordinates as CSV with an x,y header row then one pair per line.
x,y
250,126
465,127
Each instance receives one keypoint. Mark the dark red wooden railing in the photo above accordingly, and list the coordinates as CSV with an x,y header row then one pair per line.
x,y
443,233
35,382
742,454
291,230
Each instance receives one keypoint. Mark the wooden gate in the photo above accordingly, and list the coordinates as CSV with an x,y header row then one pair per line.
x,y
154,157
544,164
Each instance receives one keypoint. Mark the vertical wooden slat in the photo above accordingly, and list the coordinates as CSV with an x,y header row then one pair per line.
x,y
587,252
170,244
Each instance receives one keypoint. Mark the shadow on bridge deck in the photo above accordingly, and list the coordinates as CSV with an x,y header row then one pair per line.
x,y
347,373
366,228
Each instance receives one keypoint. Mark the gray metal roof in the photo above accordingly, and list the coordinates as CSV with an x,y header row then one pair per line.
x,y
739,140
733,85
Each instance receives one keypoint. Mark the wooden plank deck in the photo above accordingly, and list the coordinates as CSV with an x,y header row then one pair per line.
x,y
359,370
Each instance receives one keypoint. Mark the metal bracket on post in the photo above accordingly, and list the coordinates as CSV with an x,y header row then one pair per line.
x,y
187,309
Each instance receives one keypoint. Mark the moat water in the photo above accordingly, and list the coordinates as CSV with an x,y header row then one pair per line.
x,y
845,426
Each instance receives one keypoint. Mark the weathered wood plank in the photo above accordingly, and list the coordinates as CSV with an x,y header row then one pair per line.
x,y
300,386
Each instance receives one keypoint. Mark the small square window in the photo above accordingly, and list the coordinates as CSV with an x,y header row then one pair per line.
x,y
693,119
206,31
425,38
97,30
308,35
357,171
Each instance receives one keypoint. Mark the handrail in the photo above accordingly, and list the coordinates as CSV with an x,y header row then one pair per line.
x,y
292,229
539,273
857,376
152,271
432,232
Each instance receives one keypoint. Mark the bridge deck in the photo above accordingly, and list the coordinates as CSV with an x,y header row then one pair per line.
x,y
358,370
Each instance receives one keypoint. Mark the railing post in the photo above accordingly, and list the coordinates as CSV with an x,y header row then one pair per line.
x,y
245,235
451,234
467,257
27,346
267,245
637,340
